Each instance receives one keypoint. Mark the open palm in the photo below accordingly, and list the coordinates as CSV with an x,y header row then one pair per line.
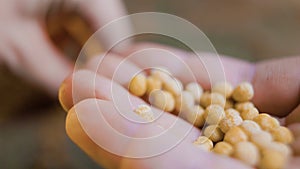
x,y
93,91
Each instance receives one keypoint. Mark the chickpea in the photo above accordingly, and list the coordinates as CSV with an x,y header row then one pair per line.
x,y
145,112
173,86
282,134
243,92
195,89
243,106
204,143
162,100
261,139
249,113
246,152
184,101
223,148
170,84
283,149
153,84
232,118
272,160
195,116
266,122
250,127
138,85
214,114
223,88
214,133
212,98
235,135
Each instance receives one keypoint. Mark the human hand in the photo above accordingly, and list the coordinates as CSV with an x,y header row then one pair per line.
x,y
86,128
26,48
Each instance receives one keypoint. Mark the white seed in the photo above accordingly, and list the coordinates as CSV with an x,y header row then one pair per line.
x,y
162,100
247,152
243,92
249,113
235,135
145,112
241,106
232,118
184,101
214,114
250,127
223,148
138,85
195,116
196,90
223,88
261,139
153,84
214,133
266,122
212,98
204,143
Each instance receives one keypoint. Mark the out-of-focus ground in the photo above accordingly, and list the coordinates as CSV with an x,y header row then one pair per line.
x,y
32,133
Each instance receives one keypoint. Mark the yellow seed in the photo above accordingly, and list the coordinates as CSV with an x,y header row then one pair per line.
x,y
246,152
214,133
195,116
184,101
283,149
231,119
229,104
212,98
266,122
204,143
170,84
250,127
249,113
214,114
272,160
243,106
235,135
138,85
162,100
282,134
223,148
243,92
261,139
153,84
145,112
223,88
173,86
195,89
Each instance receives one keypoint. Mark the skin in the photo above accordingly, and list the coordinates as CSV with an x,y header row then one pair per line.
x,y
276,82
26,48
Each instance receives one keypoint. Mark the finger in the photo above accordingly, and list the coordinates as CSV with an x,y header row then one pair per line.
x,y
43,63
294,163
280,75
114,67
85,84
85,117
206,68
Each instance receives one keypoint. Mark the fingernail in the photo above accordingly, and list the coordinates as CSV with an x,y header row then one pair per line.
x,y
61,94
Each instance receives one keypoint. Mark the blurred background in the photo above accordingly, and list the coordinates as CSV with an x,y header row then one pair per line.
x,y
32,133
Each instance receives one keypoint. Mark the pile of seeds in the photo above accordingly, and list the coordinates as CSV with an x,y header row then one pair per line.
x,y
231,124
